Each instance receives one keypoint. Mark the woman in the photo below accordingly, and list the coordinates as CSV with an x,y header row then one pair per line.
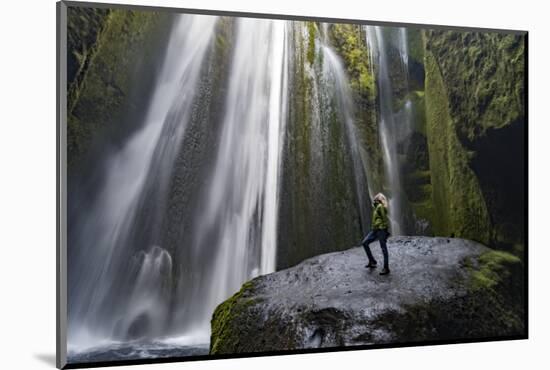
x,y
379,231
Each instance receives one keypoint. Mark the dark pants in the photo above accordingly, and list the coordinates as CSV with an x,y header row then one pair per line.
x,y
381,235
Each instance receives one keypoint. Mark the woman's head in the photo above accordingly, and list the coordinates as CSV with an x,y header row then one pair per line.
x,y
381,198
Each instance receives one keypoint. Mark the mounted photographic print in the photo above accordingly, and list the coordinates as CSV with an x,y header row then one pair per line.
x,y
235,184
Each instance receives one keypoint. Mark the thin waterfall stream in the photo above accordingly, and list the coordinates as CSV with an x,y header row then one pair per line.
x,y
334,70
394,126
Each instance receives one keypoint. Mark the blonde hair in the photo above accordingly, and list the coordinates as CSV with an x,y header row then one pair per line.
x,y
382,199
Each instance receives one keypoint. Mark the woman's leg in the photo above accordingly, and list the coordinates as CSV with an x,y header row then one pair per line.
x,y
371,236
383,235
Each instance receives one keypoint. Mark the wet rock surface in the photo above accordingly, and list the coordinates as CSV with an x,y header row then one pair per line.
x,y
439,288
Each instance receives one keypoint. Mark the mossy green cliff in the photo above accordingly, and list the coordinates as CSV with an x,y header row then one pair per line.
x,y
113,61
318,205
458,205
475,128
350,42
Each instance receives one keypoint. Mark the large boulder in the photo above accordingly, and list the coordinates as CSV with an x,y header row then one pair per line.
x,y
439,288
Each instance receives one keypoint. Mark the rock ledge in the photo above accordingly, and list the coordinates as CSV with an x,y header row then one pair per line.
x,y
439,288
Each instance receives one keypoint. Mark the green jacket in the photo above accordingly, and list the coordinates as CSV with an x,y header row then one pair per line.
x,y
379,217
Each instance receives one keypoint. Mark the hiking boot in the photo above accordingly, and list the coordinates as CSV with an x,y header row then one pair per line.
x,y
371,265
385,271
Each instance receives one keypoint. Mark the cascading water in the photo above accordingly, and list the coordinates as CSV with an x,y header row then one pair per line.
x,y
149,265
324,180
238,222
334,72
109,297
395,127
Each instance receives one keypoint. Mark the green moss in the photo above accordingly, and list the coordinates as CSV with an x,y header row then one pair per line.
x,y
84,25
366,81
312,30
224,335
475,99
459,206
438,120
415,46
484,71
419,111
350,42
494,267
105,90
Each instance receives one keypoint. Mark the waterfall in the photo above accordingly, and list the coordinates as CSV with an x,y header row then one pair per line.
x,y
403,48
324,179
334,71
188,206
238,222
394,127
277,118
108,296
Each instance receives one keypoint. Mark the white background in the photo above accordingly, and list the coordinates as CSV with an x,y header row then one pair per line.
x,y
27,193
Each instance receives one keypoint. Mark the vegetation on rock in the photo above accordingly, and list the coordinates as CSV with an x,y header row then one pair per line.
x,y
475,124
484,76
85,26
350,42
458,204
317,202
116,70
223,333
